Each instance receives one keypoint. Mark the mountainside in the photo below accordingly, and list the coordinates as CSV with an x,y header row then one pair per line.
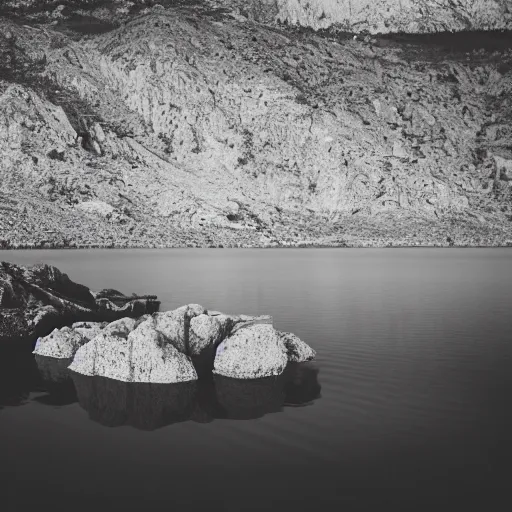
x,y
190,125
381,16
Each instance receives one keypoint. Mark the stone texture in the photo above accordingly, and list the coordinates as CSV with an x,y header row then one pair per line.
x,y
253,352
297,350
88,329
383,16
61,343
255,136
121,327
175,324
144,356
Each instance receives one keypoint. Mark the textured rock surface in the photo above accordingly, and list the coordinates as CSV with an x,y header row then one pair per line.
x,y
297,351
175,325
61,343
121,327
144,356
254,352
88,329
192,127
35,300
382,16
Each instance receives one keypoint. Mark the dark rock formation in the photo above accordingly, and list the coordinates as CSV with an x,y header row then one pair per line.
x,y
36,300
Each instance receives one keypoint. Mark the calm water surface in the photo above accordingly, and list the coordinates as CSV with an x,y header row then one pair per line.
x,y
414,381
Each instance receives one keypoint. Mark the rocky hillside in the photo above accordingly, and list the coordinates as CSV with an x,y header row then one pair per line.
x,y
382,16
188,125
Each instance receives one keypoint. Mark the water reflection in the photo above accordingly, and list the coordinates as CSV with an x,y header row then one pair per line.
x,y
56,380
150,406
19,376
112,403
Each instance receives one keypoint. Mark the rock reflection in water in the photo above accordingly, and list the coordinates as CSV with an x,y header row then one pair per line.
x,y
150,406
141,405
19,377
56,380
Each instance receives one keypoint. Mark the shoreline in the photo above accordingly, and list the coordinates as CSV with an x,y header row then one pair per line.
x,y
22,247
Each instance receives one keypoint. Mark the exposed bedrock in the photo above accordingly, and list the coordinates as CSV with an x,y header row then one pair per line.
x,y
36,300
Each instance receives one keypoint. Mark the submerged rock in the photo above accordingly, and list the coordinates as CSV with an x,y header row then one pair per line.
x,y
175,324
253,352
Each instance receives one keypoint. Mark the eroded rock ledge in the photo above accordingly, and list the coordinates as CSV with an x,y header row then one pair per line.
x,y
36,300
176,346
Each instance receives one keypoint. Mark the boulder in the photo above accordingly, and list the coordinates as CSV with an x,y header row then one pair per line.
x,y
35,300
154,359
61,343
253,352
297,350
121,327
175,324
144,356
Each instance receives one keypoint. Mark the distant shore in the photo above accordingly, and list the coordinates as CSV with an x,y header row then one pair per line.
x,y
352,245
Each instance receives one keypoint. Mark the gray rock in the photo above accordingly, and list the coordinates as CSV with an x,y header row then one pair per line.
x,y
88,329
144,356
207,332
297,350
61,343
174,325
253,352
121,327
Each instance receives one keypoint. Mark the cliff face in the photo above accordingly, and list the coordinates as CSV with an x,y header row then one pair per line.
x,y
194,126
383,16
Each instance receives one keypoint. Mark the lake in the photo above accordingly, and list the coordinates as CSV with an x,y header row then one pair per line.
x,y
407,400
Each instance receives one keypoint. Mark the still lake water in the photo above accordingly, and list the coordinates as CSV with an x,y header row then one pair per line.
x,y
413,373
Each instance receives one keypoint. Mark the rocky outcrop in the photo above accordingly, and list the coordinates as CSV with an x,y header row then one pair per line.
x,y
36,300
175,346
381,16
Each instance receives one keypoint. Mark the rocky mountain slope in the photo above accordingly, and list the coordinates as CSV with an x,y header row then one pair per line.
x,y
188,125
383,16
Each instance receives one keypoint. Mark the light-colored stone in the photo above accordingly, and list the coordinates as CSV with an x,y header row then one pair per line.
x,y
206,332
297,350
253,352
145,356
88,329
174,324
121,327
61,343
155,360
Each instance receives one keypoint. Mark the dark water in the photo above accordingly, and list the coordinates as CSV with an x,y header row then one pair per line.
x,y
408,401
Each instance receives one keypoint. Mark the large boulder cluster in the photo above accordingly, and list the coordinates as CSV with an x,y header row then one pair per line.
x,y
176,346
